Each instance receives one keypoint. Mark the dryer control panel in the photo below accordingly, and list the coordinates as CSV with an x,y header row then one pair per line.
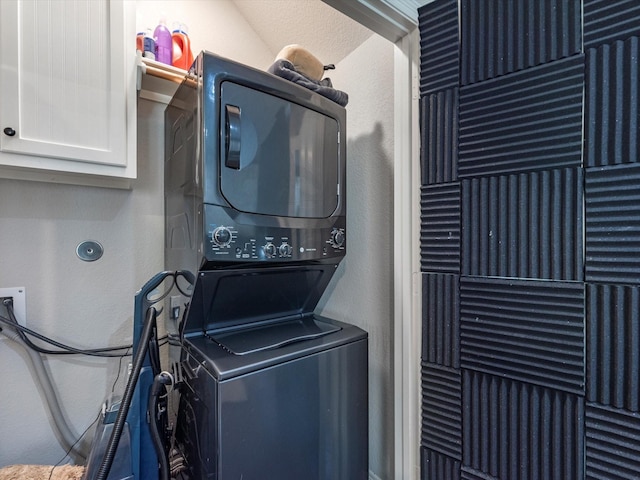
x,y
228,240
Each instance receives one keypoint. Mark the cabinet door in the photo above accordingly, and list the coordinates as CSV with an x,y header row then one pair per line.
x,y
68,86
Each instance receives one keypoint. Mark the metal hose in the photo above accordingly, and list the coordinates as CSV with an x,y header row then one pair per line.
x,y
66,437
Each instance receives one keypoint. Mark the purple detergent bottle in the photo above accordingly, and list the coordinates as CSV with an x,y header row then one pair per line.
x,y
164,44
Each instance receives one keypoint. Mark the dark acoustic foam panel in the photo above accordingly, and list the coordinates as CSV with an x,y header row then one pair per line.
x,y
528,120
518,431
503,36
525,226
526,330
441,319
441,415
613,346
436,466
530,239
439,58
440,228
467,473
612,443
613,224
439,137
606,21
612,104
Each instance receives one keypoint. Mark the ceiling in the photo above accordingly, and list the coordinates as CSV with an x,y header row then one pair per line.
x,y
325,32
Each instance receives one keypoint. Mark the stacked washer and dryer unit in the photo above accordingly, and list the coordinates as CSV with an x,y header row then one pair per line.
x,y
255,208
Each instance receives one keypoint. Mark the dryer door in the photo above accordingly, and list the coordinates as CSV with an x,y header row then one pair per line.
x,y
277,157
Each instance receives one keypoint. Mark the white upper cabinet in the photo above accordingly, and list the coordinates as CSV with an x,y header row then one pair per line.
x,y
67,89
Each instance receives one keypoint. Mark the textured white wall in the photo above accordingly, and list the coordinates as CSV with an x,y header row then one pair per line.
x,y
79,303
91,304
361,291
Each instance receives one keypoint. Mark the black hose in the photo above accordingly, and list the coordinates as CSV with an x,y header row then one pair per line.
x,y
121,418
159,382
21,331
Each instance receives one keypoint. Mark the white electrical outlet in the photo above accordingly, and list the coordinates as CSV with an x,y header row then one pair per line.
x,y
19,295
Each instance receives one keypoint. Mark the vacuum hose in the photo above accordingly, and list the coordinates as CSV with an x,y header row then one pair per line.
x,y
157,388
67,438
121,418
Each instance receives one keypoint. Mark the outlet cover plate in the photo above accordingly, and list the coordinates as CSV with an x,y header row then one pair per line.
x,y
19,295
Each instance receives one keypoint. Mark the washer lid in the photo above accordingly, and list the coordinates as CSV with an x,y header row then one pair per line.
x,y
201,354
227,298
274,335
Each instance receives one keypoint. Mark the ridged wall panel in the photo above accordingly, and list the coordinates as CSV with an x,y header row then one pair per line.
x,y
441,413
525,226
440,228
439,137
436,466
528,120
613,346
439,58
606,21
502,36
467,473
612,443
526,330
441,319
539,227
612,104
613,224
517,431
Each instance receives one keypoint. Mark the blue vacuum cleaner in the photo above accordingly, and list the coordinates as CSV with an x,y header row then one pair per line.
x,y
132,441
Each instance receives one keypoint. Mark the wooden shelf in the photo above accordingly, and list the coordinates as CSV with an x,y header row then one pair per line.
x,y
162,70
157,81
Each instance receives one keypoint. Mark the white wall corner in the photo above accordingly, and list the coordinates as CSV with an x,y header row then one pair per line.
x,y
407,288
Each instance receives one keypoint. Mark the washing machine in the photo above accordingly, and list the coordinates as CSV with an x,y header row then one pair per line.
x,y
270,390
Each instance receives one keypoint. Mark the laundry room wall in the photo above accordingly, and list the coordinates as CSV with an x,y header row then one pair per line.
x,y
91,304
84,304
361,291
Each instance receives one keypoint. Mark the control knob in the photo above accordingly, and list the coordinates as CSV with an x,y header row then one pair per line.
x,y
270,250
337,238
285,249
221,236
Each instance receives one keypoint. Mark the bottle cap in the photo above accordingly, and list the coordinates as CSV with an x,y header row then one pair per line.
x,y
180,27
